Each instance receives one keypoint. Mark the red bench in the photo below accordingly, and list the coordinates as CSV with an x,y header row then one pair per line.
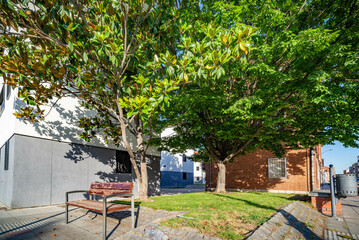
x,y
107,190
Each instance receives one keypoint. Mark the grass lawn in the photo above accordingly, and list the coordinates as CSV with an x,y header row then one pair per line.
x,y
227,216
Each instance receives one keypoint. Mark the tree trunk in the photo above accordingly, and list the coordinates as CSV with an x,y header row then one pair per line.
x,y
141,154
143,191
221,178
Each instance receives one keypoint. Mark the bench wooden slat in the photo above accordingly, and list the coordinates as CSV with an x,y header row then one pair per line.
x,y
106,192
97,206
119,186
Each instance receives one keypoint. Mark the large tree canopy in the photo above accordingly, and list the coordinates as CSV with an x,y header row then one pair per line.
x,y
109,54
298,85
257,74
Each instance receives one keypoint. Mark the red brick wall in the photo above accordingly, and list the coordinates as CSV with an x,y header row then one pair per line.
x,y
324,205
251,172
326,174
317,164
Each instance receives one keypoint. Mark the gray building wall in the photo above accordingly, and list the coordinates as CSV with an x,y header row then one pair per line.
x,y
6,176
43,170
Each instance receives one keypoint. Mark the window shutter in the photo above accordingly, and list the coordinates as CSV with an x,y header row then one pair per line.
x,y
8,91
2,99
6,163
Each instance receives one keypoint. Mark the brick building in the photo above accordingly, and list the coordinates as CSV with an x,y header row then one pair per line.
x,y
326,174
299,171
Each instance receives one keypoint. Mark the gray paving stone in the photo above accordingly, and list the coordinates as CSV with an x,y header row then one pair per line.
x,y
258,235
295,232
265,231
290,222
275,235
84,225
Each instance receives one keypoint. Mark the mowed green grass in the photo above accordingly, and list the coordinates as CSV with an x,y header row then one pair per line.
x,y
228,216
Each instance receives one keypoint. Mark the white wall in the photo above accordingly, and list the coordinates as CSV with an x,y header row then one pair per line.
x,y
174,162
7,119
61,124
201,174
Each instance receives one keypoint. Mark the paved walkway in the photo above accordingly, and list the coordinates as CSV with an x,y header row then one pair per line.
x,y
300,221
346,226
49,223
295,221
188,189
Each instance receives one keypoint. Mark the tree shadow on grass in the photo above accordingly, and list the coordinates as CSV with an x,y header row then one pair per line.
x,y
246,201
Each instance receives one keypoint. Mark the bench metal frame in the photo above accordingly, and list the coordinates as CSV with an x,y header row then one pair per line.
x,y
104,210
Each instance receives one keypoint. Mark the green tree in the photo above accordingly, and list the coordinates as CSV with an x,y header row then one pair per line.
x,y
109,54
297,86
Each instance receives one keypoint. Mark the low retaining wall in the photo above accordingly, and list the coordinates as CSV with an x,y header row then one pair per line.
x,y
322,202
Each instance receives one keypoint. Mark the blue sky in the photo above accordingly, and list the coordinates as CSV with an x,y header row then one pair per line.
x,y
339,156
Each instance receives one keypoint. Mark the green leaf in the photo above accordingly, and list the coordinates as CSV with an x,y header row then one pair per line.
x,y
10,4
170,70
22,13
85,57
71,46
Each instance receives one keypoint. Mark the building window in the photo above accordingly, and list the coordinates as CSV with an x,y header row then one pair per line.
x,y
184,158
277,167
197,168
123,162
2,99
6,162
8,91
184,176
197,178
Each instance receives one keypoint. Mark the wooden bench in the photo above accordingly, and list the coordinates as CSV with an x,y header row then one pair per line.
x,y
106,190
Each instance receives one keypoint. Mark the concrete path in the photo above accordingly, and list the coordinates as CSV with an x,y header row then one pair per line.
x,y
295,221
49,223
299,221
346,226
188,189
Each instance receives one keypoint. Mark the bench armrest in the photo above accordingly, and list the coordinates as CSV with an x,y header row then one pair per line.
x,y
77,191
118,195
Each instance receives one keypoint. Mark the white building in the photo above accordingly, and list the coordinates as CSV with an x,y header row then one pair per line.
x,y
178,170
354,169
39,162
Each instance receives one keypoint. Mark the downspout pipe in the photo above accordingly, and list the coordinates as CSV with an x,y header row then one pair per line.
x,y
307,168
332,192
312,167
